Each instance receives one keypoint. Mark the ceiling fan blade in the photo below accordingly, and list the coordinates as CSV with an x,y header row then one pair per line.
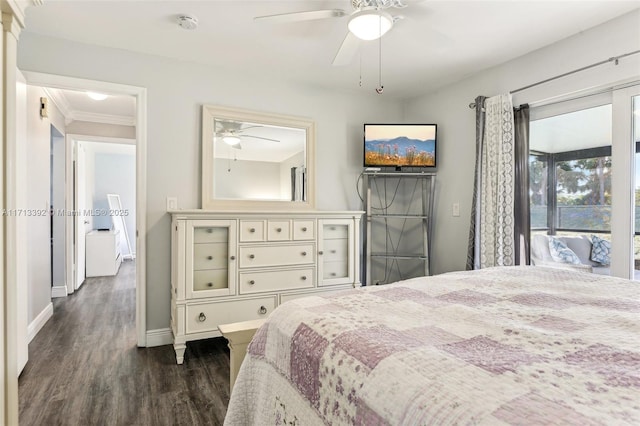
x,y
347,50
236,146
250,127
260,137
302,16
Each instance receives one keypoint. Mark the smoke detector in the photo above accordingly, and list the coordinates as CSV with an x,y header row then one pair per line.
x,y
188,22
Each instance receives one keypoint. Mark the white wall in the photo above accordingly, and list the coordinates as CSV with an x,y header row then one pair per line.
x,y
89,180
237,179
176,92
38,198
448,108
116,174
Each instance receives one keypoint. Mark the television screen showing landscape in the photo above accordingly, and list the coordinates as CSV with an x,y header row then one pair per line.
x,y
400,145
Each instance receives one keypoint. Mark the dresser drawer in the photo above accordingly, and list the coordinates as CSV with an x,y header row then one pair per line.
x,y
335,231
210,279
210,234
260,256
257,282
252,231
304,229
333,270
207,316
278,230
335,250
210,256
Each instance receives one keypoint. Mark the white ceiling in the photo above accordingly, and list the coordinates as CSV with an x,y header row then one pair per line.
x,y
583,129
437,42
588,128
76,105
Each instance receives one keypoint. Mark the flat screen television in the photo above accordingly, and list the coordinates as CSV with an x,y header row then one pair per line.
x,y
400,145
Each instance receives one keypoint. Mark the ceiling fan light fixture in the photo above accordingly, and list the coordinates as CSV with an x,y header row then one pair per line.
x,y
370,23
231,140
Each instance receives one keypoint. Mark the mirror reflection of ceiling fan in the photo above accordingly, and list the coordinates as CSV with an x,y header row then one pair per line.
x,y
232,132
369,20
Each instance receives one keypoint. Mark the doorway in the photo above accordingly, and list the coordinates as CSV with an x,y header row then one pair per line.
x,y
139,136
104,169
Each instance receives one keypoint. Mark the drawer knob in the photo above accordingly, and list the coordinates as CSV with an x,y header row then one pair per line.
x,y
333,274
209,284
210,230
279,229
252,230
333,251
202,317
252,256
232,258
262,310
209,257
320,252
252,282
333,228
303,278
304,253
304,229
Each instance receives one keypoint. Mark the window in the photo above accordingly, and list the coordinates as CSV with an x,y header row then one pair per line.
x,y
583,190
538,191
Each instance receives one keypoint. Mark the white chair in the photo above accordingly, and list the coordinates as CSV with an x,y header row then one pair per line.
x,y
581,246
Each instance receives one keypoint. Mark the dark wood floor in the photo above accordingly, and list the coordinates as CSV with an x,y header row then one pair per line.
x,y
85,369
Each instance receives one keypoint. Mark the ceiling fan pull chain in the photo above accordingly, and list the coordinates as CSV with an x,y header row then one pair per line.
x,y
360,56
380,87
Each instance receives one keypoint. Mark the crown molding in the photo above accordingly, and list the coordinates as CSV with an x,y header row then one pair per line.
x,y
60,100
120,120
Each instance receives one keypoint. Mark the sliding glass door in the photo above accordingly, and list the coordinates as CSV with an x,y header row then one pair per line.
x,y
636,190
625,140
584,187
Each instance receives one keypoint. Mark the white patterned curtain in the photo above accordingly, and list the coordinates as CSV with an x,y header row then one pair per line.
x,y
492,234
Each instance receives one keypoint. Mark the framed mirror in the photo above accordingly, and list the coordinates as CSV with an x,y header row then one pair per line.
x,y
256,160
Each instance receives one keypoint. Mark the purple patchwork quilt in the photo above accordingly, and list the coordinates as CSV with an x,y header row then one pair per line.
x,y
500,346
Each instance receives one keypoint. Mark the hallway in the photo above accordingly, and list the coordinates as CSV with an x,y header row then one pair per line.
x,y
85,369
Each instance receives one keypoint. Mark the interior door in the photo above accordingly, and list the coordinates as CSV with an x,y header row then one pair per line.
x,y
82,219
20,225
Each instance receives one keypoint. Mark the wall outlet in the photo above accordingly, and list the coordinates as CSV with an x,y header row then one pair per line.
x,y
172,203
455,210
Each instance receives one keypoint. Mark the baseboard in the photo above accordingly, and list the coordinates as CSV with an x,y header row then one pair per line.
x,y
59,291
36,325
159,337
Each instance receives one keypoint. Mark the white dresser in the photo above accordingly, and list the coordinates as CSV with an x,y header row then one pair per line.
x,y
230,266
103,256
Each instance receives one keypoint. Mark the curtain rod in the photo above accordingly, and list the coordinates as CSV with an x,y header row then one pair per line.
x,y
614,59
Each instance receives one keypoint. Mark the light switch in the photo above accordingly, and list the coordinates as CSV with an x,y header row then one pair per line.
x,y
172,203
455,209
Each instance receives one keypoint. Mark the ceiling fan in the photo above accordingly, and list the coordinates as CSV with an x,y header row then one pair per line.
x,y
231,133
369,20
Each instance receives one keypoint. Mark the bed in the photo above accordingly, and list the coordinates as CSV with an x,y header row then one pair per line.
x,y
499,346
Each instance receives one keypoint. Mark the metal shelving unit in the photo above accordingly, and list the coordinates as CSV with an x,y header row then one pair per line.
x,y
398,212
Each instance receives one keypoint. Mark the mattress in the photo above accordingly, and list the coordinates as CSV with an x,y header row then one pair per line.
x,y
498,346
